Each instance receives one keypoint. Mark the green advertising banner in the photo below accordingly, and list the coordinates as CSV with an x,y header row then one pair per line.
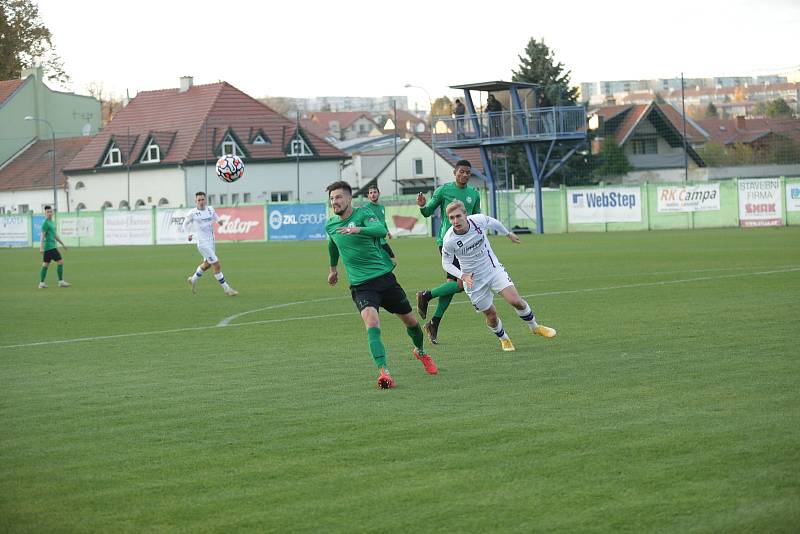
x,y
84,229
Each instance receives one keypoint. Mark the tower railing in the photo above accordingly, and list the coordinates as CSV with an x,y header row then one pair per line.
x,y
540,124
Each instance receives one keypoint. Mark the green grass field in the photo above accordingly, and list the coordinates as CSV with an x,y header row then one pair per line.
x,y
670,400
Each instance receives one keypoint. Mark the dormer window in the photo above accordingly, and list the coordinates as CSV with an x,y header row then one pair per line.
x,y
229,146
152,153
113,157
299,148
259,140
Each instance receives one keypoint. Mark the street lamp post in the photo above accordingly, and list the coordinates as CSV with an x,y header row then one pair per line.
x,y
433,149
53,132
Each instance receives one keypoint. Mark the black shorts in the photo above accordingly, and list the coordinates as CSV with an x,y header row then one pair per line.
x,y
51,255
382,292
388,249
455,262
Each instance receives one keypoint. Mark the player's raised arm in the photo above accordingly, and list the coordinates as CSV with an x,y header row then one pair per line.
x,y
428,208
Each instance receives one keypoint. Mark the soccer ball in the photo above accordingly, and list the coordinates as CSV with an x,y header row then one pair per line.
x,y
230,168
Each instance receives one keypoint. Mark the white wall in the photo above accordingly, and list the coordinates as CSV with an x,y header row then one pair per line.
x,y
36,199
149,185
415,149
262,179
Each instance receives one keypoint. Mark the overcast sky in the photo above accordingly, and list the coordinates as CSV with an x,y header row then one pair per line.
x,y
373,48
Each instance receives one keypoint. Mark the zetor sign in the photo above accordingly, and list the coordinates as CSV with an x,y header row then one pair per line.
x,y
244,223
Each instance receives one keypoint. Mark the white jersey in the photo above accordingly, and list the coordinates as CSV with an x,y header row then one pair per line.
x,y
473,250
201,224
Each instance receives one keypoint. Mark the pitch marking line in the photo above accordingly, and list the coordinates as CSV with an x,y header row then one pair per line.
x,y
307,317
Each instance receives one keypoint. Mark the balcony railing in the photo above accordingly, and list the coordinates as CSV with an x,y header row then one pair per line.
x,y
540,124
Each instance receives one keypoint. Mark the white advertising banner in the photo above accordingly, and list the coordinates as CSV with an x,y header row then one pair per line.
x,y
793,197
169,225
609,204
525,206
14,230
75,226
760,202
685,198
128,227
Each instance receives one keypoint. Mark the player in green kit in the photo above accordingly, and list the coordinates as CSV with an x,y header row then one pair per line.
x,y
354,235
49,250
441,198
373,194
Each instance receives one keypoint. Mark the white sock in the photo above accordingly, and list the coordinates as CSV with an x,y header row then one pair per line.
x,y
221,279
527,316
498,330
197,274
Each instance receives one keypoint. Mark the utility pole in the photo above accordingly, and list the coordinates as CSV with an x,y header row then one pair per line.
x,y
394,119
685,152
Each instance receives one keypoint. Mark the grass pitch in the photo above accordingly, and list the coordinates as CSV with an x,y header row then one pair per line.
x,y
668,402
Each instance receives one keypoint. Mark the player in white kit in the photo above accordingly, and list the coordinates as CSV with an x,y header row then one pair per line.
x,y
200,220
481,271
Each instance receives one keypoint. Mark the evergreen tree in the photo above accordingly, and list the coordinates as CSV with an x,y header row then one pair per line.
x,y
538,65
711,111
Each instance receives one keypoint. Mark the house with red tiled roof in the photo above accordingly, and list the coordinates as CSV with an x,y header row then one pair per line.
x,y
26,179
345,125
415,169
407,123
162,148
650,135
750,131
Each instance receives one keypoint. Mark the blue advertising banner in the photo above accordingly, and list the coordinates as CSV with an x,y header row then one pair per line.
x,y
36,224
288,222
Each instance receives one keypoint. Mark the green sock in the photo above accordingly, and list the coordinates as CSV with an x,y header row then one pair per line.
x,y
441,307
43,274
449,288
415,333
376,347
60,271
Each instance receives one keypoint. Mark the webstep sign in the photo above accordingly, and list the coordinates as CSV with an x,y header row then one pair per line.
x,y
609,204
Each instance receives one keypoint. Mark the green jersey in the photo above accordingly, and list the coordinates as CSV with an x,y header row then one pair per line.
x,y
49,231
380,214
363,257
443,196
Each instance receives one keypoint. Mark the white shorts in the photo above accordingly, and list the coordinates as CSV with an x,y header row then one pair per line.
x,y
208,253
482,293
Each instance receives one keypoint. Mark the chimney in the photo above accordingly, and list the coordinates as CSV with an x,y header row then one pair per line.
x,y
740,122
186,83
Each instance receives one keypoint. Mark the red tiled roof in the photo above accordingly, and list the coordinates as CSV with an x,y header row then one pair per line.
x,y
179,117
8,87
33,168
724,131
633,114
313,127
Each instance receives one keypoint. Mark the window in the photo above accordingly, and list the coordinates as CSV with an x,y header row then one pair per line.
x,y
163,202
260,140
417,167
79,185
123,205
280,196
229,146
246,198
645,145
106,205
113,157
223,199
235,198
23,208
212,199
80,206
139,204
299,148
152,153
